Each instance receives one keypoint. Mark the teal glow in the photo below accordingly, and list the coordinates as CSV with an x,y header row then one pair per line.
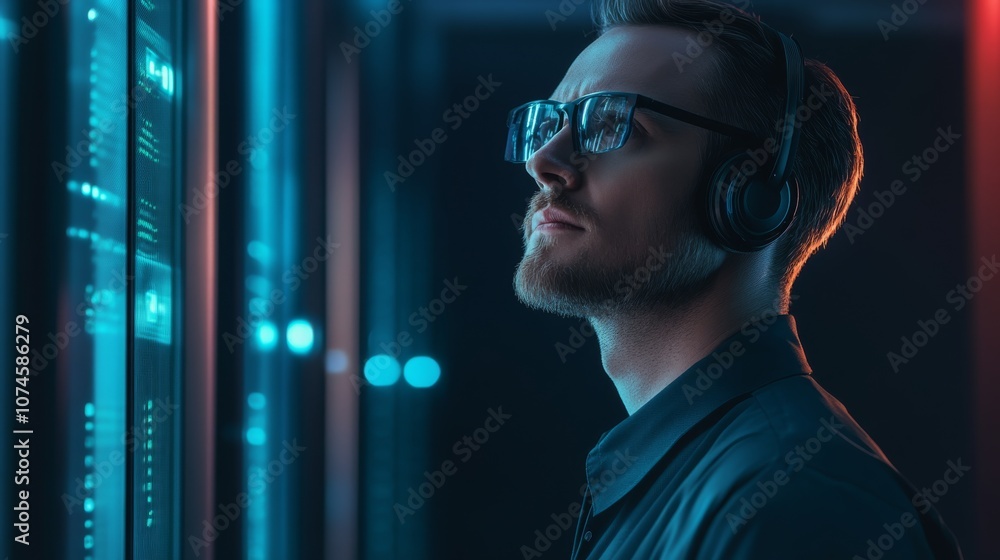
x,y
421,371
267,335
152,305
88,410
159,72
300,336
266,523
92,14
88,505
256,401
258,285
261,306
259,251
382,370
256,436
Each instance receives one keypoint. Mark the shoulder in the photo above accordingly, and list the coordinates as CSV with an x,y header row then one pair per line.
x,y
789,467
809,514
792,424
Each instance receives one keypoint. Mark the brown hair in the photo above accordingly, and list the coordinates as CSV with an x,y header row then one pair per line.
x,y
747,89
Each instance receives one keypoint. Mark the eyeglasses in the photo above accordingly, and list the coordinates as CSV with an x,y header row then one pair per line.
x,y
599,123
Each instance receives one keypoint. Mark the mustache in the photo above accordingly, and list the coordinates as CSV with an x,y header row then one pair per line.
x,y
542,199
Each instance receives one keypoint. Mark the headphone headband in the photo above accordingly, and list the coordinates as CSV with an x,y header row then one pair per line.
x,y
748,210
794,86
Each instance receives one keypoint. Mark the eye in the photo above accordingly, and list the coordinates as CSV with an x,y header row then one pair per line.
x,y
604,119
545,131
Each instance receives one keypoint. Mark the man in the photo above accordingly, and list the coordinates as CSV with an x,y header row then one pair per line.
x,y
718,164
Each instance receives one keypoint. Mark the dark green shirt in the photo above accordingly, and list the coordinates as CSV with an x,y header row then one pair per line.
x,y
746,456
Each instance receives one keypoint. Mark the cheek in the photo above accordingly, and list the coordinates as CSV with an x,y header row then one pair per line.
x,y
663,190
648,194
672,186
643,206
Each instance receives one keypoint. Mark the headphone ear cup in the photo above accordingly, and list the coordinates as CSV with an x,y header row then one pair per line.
x,y
743,215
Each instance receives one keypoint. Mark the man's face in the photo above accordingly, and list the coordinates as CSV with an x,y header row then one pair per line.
x,y
640,244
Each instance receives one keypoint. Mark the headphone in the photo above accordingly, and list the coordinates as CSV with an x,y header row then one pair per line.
x,y
749,208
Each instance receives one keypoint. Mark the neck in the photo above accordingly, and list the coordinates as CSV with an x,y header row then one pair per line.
x,y
643,353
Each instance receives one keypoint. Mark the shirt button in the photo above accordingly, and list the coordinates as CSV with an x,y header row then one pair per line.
x,y
587,536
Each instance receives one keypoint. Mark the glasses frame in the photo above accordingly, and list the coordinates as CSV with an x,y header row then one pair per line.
x,y
571,110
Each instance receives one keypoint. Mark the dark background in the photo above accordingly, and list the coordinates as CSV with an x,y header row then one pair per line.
x,y
455,219
852,302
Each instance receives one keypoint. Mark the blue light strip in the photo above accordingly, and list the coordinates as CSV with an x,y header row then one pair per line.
x,y
98,58
263,232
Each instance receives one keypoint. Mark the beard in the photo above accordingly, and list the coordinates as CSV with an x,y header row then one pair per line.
x,y
663,267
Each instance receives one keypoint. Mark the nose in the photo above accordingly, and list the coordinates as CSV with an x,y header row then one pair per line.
x,y
551,166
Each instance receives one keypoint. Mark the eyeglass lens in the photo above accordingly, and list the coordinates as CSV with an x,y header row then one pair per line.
x,y
602,126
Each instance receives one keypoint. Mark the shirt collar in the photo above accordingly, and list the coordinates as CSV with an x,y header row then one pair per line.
x,y
745,361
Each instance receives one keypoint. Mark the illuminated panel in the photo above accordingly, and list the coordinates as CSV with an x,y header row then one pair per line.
x,y
155,400
263,274
159,71
94,172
